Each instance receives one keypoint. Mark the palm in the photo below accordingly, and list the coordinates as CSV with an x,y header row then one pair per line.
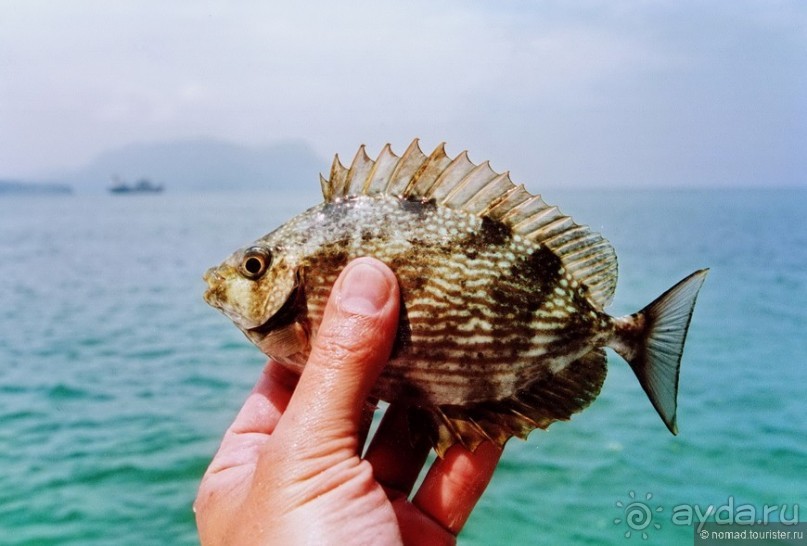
x,y
289,469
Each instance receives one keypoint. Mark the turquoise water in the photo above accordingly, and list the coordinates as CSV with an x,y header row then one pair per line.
x,y
117,381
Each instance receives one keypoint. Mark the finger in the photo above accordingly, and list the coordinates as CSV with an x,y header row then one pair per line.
x,y
418,528
267,401
352,344
257,418
454,484
242,443
397,453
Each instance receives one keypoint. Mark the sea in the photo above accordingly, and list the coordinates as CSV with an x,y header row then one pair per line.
x,y
117,381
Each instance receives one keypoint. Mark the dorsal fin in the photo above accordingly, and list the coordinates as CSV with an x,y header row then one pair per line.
x,y
460,184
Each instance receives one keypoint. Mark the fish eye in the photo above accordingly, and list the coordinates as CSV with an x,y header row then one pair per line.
x,y
255,262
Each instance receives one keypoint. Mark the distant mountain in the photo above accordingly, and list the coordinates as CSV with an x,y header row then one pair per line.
x,y
203,164
15,186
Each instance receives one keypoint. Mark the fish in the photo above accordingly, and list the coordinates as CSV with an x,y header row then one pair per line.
x,y
502,327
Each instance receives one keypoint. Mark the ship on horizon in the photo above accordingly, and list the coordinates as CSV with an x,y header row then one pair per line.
x,y
143,185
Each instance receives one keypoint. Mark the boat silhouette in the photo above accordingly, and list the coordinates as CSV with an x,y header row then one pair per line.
x,y
143,185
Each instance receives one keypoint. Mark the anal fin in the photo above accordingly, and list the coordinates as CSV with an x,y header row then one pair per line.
x,y
553,397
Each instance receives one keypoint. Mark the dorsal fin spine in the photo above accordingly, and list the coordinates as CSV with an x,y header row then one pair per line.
x,y
326,189
479,175
537,221
425,176
454,173
405,168
523,209
479,202
382,169
476,189
512,197
357,174
530,221
337,178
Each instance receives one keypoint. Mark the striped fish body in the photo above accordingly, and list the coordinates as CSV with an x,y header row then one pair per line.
x,y
502,327
485,312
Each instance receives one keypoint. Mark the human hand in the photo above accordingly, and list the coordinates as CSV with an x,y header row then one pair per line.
x,y
289,469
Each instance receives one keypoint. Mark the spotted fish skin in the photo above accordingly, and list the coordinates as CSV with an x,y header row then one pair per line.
x,y
481,305
502,327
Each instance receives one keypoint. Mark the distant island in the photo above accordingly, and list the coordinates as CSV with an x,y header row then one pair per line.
x,y
200,164
16,187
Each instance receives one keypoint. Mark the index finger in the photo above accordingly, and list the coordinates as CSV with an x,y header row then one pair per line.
x,y
267,401
257,418
242,443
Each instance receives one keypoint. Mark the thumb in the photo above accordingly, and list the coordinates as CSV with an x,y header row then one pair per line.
x,y
351,347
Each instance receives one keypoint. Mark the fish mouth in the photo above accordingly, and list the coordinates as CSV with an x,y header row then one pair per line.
x,y
214,280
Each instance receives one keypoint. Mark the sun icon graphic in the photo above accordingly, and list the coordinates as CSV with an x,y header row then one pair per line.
x,y
638,515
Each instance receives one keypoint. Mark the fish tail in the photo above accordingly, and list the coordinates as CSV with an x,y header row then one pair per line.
x,y
652,341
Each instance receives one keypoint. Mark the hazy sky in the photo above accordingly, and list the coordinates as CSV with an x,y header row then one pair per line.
x,y
562,93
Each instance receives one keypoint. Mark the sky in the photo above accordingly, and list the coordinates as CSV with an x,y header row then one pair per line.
x,y
569,94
